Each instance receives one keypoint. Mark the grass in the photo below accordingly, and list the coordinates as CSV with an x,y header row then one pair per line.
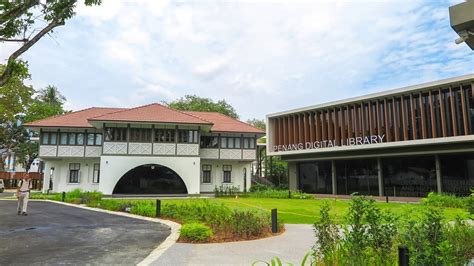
x,y
295,211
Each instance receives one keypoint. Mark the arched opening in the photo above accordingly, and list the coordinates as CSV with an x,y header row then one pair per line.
x,y
150,179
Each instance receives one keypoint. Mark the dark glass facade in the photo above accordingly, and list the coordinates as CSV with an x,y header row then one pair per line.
x,y
315,177
357,176
457,172
409,176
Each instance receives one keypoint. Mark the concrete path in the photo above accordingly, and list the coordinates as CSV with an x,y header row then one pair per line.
x,y
291,246
58,234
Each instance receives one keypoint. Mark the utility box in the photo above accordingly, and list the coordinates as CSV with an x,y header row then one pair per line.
x,y
462,21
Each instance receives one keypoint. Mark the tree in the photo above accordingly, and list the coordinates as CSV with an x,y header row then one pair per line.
x,y
15,96
258,123
195,103
48,102
51,95
27,21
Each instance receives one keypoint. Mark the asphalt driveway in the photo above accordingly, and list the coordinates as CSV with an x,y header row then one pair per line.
x,y
59,234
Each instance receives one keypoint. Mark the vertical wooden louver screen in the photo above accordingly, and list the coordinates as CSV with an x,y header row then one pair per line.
x,y
295,128
432,114
311,127
317,124
342,125
414,129
356,121
378,106
388,131
330,126
363,120
453,112
396,116
324,134
464,111
421,105
404,119
443,114
336,127
350,124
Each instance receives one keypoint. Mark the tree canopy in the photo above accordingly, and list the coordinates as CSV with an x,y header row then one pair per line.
x,y
258,123
27,21
195,103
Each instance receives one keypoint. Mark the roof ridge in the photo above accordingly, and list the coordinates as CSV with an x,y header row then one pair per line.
x,y
54,116
184,112
242,122
124,109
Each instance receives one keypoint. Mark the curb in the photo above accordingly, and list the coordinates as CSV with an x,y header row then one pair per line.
x,y
158,251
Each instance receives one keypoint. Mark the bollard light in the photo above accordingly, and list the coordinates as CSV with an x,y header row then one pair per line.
x,y
274,221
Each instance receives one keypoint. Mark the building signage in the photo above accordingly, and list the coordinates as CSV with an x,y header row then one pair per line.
x,y
373,139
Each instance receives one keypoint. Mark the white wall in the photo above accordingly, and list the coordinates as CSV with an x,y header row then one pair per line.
x,y
114,167
61,174
217,175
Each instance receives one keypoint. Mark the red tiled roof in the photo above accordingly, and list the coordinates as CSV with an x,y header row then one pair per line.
x,y
152,113
223,123
73,119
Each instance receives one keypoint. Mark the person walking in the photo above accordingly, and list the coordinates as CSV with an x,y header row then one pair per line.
x,y
23,194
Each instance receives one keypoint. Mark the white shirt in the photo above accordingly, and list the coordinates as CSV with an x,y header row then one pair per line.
x,y
24,185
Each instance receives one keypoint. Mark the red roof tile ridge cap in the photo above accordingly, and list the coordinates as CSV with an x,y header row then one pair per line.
x,y
242,122
54,116
221,114
124,109
184,113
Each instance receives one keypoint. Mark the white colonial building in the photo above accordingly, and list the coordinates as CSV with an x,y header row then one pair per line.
x,y
149,149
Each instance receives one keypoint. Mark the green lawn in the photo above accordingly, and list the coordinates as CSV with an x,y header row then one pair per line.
x,y
296,211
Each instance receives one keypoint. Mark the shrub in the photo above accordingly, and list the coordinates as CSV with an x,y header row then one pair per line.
x,y
196,232
445,200
276,194
460,239
226,191
470,202
327,237
424,238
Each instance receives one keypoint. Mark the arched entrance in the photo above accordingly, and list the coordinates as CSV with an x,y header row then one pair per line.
x,y
150,179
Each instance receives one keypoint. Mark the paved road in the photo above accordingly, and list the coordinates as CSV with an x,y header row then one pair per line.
x,y
291,246
54,233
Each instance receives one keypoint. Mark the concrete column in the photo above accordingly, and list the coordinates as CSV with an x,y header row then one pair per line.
x,y
438,174
380,176
333,175
292,176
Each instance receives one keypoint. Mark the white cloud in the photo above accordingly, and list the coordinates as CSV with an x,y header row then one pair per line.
x,y
267,56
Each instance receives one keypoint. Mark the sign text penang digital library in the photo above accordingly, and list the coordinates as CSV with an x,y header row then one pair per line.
x,y
373,139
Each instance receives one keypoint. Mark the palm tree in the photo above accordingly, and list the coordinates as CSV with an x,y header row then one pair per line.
x,y
51,95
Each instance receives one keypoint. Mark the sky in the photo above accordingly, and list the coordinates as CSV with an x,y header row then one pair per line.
x,y
260,56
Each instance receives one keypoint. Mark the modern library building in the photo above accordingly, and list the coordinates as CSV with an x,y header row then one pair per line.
x,y
402,142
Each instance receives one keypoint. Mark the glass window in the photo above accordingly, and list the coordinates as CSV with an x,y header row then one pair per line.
x,y
227,173
206,173
53,138
45,138
90,139
457,173
96,175
249,143
230,143
315,177
74,172
188,136
116,134
80,139
237,143
98,139
209,142
164,135
63,140
223,142
72,139
140,135
409,176
357,176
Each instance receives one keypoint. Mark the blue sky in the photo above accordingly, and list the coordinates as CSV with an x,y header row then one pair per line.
x,y
261,57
